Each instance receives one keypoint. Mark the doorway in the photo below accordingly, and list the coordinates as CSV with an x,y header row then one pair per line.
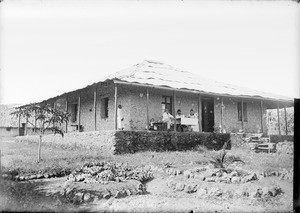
x,y
208,118
22,130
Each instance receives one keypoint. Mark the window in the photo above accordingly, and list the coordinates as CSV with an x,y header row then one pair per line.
x,y
104,108
240,111
166,103
74,111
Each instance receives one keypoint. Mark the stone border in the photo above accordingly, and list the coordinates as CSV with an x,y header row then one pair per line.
x,y
34,177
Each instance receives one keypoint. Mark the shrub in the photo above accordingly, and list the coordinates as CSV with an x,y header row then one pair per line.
x,y
134,141
281,138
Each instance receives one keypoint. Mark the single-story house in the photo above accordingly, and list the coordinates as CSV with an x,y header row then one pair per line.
x,y
146,89
11,126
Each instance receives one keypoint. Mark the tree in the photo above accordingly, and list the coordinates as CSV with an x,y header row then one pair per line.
x,y
47,118
272,121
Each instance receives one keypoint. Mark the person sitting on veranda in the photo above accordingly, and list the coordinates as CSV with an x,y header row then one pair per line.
x,y
193,114
151,126
167,118
179,115
179,126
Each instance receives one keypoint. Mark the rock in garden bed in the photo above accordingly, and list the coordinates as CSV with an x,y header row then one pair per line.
x,y
105,172
102,180
80,192
26,177
234,176
221,190
283,174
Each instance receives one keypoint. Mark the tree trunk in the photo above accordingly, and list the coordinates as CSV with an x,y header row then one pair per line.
x,y
39,150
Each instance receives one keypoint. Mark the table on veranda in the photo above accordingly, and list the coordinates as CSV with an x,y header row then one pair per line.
x,y
193,122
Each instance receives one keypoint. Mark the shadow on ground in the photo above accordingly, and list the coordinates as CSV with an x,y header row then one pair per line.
x,y
33,196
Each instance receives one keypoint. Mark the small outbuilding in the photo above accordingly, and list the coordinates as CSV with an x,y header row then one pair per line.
x,y
9,125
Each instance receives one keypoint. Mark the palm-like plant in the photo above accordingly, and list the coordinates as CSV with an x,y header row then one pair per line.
x,y
222,160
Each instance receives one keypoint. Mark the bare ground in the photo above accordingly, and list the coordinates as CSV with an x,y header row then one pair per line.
x,y
47,195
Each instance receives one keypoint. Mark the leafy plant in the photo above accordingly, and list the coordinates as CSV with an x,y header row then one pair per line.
x,y
272,120
46,117
223,160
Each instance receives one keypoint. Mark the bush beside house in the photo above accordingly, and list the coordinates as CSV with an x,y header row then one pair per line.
x,y
281,138
135,141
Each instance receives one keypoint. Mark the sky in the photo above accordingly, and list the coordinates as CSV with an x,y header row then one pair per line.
x,y
49,47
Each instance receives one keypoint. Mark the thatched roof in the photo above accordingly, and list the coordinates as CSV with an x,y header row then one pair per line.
x,y
163,75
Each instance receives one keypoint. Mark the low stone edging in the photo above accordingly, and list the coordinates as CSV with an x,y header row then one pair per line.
x,y
207,192
80,192
34,176
236,175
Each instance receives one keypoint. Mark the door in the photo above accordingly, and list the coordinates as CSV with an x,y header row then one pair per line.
x,y
22,130
208,114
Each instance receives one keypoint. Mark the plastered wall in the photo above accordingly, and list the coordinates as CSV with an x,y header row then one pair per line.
x,y
134,108
134,102
87,115
230,115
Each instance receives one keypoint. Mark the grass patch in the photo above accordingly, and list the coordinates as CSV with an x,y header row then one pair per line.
x,y
263,161
22,158
25,197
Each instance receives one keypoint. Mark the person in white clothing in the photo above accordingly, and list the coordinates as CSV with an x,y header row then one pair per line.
x,y
193,114
167,118
179,126
179,115
120,118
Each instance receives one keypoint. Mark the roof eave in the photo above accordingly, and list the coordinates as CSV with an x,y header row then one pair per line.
x,y
118,81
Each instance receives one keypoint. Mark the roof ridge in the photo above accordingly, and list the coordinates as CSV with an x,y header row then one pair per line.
x,y
157,71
